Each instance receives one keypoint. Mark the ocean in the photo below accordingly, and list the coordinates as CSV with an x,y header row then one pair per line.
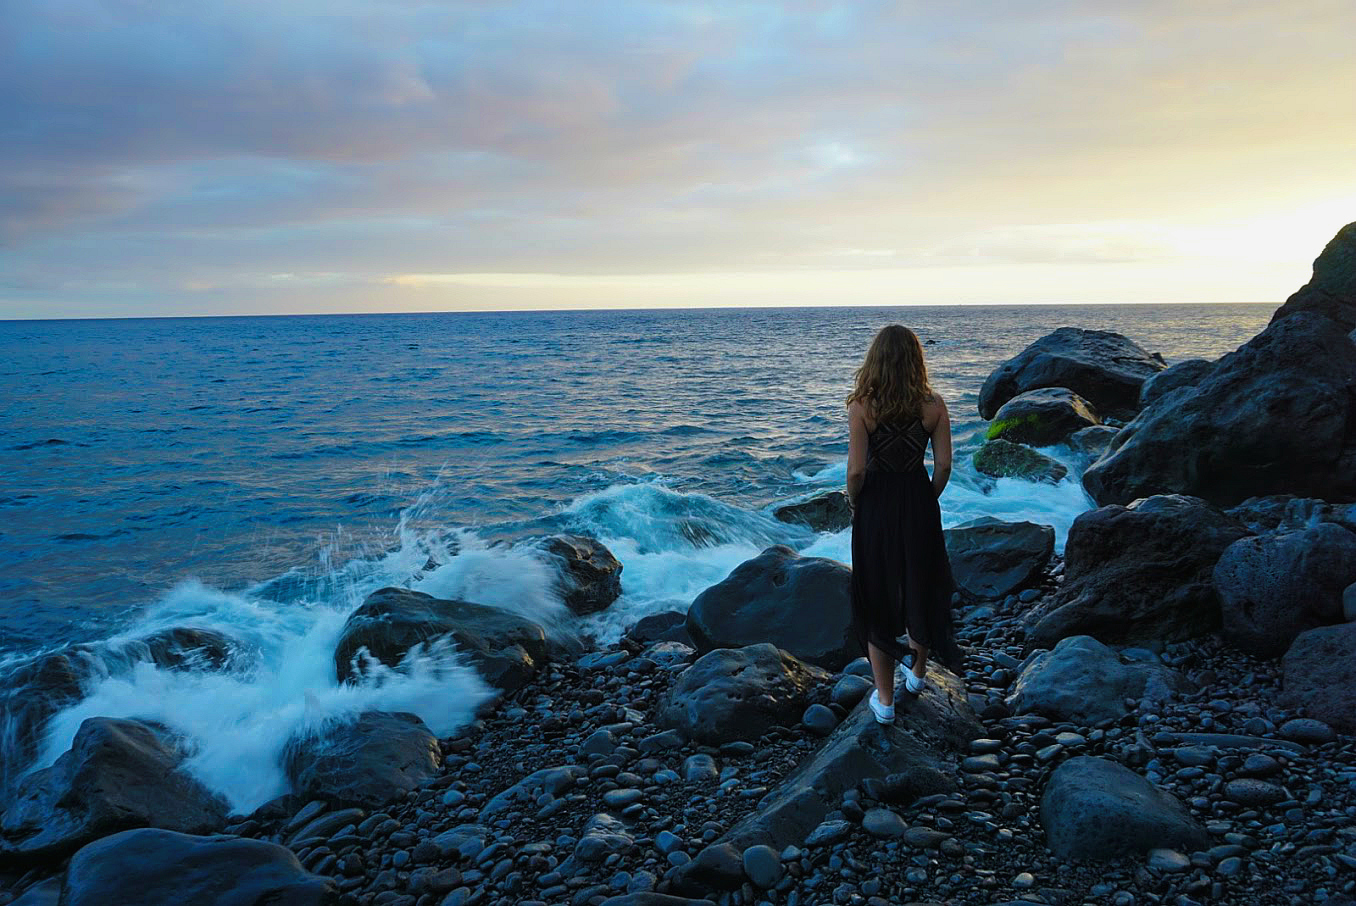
x,y
260,475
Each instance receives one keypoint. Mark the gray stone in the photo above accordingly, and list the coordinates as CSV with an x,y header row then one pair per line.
x,y
590,574
602,836
1272,417
802,605
1097,809
991,559
1042,417
1168,860
505,648
739,694
1101,366
155,867
1308,730
1272,587
1319,675
819,719
882,822
118,774
1005,459
1142,573
915,756
827,512
1249,791
367,761
1084,681
763,866
849,689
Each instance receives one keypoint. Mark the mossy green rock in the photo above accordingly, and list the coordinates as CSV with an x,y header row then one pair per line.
x,y
1005,459
1042,417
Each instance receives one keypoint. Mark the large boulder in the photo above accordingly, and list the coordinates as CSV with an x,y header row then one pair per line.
x,y
1097,809
1005,459
739,693
1183,374
1288,512
915,756
1042,417
1331,291
991,558
1136,574
506,648
366,761
1086,682
1319,675
1272,587
118,774
802,605
1276,416
1101,366
830,511
163,868
665,626
590,574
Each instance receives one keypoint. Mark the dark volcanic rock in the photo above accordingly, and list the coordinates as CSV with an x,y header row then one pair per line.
x,y
1042,417
186,648
1272,587
800,604
1276,416
1005,459
1332,289
992,559
827,512
669,626
1093,442
118,774
1084,681
1094,808
913,757
1101,366
1320,675
1288,512
162,868
365,762
591,574
1183,374
1141,573
739,693
506,648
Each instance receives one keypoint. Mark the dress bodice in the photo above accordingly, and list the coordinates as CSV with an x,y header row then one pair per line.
x,y
896,447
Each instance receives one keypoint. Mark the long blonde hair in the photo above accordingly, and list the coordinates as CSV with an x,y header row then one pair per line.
x,y
893,377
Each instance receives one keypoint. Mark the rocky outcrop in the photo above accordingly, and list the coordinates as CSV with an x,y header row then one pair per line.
x,y
367,761
1138,574
1272,587
1101,366
1005,459
802,605
118,774
1319,675
915,756
1331,291
1084,681
1093,442
739,693
590,574
1276,416
506,649
1042,417
1096,809
827,512
1288,513
163,868
991,558
1183,374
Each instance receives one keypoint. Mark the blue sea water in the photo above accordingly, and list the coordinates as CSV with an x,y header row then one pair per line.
x,y
260,475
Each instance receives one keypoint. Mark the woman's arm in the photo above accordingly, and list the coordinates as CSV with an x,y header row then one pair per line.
x,y
856,464
941,448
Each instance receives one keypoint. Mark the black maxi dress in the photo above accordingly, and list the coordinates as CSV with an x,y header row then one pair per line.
x,y
901,577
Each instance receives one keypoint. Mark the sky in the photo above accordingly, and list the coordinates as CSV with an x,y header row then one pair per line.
x,y
296,156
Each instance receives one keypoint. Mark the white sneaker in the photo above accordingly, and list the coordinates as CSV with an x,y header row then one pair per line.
x,y
913,683
884,714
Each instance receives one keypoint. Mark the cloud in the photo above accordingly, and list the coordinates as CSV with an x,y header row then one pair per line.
x,y
209,143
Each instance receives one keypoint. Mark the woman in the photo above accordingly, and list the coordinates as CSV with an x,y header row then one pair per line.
x,y
901,578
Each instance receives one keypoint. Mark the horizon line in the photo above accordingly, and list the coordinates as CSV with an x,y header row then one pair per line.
x,y
601,308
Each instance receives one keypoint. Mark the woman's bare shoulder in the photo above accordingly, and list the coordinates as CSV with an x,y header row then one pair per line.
x,y
934,410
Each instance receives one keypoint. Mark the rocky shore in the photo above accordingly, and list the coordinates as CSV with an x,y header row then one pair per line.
x,y
1164,714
